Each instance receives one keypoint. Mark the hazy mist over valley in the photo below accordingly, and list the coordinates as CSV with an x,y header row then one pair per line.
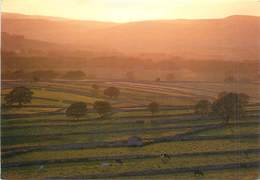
x,y
219,46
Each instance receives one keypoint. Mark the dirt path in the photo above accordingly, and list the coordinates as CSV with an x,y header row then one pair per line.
x,y
8,152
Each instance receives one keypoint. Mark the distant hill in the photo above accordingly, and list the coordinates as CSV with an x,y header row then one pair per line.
x,y
19,44
231,38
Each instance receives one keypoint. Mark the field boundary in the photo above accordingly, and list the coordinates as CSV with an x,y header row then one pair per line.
x,y
123,157
150,172
8,152
195,129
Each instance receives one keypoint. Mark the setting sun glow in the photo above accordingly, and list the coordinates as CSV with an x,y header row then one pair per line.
x,y
133,10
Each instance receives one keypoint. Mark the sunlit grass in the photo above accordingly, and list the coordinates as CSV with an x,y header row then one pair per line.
x,y
60,94
88,168
64,96
232,130
169,147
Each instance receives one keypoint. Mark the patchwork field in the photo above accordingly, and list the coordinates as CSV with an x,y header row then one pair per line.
x,y
39,141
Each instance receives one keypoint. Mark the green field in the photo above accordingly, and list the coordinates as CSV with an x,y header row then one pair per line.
x,y
39,141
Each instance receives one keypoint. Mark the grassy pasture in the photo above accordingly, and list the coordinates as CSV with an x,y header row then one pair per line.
x,y
133,165
29,110
247,174
156,149
62,96
51,129
232,130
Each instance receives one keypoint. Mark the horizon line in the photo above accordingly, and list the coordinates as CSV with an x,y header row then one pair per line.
x,y
122,22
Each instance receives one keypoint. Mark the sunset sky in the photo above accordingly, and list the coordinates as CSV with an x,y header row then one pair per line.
x,y
133,10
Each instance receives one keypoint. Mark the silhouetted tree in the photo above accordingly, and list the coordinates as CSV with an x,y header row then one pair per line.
x,y
20,95
103,108
203,108
153,107
230,105
77,110
112,92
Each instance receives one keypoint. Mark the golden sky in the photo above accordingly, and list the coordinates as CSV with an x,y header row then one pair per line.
x,y
133,10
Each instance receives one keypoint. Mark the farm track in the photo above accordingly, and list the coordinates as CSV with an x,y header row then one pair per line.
x,y
9,152
193,127
121,131
150,172
125,142
125,157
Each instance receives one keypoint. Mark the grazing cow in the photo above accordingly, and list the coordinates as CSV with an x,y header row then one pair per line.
x,y
41,167
165,157
105,164
198,173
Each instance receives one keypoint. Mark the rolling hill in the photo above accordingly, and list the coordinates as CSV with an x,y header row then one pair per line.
x,y
231,38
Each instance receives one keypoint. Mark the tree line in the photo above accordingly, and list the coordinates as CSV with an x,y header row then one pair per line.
x,y
227,105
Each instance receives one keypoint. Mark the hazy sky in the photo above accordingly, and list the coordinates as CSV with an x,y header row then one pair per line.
x,y
133,10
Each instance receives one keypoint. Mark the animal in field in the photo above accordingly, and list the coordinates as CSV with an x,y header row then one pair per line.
x,y
41,167
198,173
165,157
105,164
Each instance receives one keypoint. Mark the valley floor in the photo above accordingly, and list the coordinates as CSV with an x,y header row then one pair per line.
x,y
40,142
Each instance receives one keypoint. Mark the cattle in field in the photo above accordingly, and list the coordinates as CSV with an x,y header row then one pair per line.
x,y
41,167
165,157
105,164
